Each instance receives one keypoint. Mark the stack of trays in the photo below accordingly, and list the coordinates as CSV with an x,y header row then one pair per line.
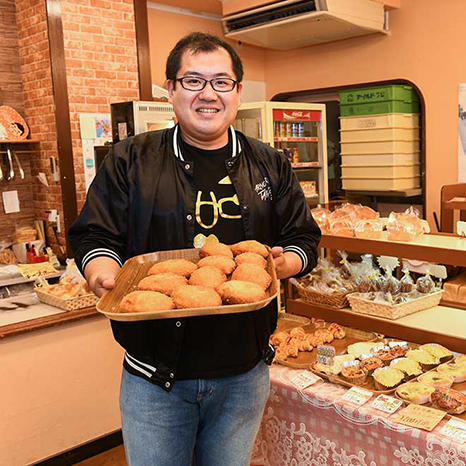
x,y
380,143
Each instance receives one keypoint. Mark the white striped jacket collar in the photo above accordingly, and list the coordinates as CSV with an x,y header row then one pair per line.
x,y
235,144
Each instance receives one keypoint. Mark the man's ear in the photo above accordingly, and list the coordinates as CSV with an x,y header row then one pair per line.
x,y
171,89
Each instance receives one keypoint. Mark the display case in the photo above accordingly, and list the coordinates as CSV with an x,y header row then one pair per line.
x,y
298,130
445,324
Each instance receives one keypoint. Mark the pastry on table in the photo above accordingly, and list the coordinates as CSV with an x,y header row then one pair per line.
x,y
224,263
449,400
214,248
249,246
240,292
461,359
425,359
279,337
458,371
335,368
164,283
409,366
386,355
415,392
337,330
252,273
399,348
298,332
387,378
363,347
208,276
371,362
436,379
190,296
250,258
324,333
439,351
353,372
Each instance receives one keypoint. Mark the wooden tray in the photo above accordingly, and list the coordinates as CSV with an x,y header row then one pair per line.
x,y
461,387
136,268
306,358
288,321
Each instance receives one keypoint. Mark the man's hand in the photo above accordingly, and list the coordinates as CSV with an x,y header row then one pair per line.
x,y
100,274
287,264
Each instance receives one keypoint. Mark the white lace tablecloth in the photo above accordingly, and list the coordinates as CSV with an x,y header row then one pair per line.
x,y
314,427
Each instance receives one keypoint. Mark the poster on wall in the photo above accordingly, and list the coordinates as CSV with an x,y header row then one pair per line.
x,y
462,134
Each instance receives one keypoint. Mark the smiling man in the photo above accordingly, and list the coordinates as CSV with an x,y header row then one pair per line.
x,y
194,389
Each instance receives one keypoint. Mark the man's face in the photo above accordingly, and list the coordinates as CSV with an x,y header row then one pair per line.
x,y
204,116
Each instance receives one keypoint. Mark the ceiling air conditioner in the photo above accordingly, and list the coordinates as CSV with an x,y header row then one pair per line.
x,y
290,24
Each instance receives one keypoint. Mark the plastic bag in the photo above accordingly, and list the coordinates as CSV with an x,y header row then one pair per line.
x,y
406,282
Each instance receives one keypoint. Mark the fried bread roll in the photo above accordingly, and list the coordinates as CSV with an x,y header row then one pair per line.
x,y
212,248
250,258
249,246
240,292
208,276
146,301
181,267
164,283
224,263
189,296
252,273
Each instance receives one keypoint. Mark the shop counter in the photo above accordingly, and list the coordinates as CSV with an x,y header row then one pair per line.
x,y
314,426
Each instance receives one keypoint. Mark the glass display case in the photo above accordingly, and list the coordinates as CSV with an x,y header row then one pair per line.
x,y
298,130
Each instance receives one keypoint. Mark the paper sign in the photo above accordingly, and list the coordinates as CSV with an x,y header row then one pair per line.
x,y
357,396
461,228
10,202
325,354
386,261
421,417
455,429
439,271
387,404
40,269
304,379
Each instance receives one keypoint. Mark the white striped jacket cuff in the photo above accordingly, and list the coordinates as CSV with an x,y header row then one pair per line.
x,y
100,252
300,252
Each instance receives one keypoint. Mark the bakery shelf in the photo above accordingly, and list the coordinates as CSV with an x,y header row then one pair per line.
x,y
442,249
18,141
440,324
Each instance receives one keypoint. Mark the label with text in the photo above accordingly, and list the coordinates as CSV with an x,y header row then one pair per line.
x,y
420,417
357,396
387,404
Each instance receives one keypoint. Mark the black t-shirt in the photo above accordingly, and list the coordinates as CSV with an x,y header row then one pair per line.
x,y
219,345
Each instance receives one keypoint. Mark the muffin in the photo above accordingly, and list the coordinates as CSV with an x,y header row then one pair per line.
x,y
408,366
362,347
399,348
458,371
425,359
386,355
371,362
353,372
439,351
436,380
387,378
461,359
415,392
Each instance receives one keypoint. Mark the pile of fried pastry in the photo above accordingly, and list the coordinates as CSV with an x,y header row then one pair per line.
x,y
289,344
68,288
235,274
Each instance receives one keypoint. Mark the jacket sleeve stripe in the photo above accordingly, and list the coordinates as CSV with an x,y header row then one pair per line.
x,y
134,366
98,253
152,368
301,254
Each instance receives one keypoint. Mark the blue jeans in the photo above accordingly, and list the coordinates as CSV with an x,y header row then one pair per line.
x,y
214,421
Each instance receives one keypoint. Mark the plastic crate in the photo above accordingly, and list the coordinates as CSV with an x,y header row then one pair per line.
x,y
393,171
393,184
380,147
379,94
391,106
387,120
377,160
379,134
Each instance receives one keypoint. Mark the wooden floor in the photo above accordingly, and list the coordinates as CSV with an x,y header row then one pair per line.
x,y
113,457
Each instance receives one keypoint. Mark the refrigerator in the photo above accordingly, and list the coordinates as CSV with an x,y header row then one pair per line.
x,y
298,130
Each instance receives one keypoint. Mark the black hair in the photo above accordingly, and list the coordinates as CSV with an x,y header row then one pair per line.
x,y
201,42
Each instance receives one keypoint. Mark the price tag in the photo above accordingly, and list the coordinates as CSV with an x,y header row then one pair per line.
x,y
387,261
304,379
455,429
357,396
387,404
421,417
325,354
42,269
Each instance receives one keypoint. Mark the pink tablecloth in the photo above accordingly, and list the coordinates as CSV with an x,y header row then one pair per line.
x,y
313,427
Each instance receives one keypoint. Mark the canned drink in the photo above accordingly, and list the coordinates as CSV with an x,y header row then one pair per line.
x,y
282,129
289,130
300,130
294,130
295,156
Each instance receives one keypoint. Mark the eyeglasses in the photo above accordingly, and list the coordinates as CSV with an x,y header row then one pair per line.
x,y
192,83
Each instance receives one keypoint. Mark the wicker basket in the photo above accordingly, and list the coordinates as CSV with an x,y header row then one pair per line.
x,y
338,300
70,304
393,311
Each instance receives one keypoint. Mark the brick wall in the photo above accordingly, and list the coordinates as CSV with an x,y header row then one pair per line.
x,y
11,94
101,63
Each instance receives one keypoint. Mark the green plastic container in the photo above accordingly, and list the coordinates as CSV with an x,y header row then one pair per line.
x,y
378,94
391,106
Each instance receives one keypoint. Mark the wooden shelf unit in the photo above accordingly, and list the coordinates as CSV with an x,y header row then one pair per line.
x,y
19,141
444,324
